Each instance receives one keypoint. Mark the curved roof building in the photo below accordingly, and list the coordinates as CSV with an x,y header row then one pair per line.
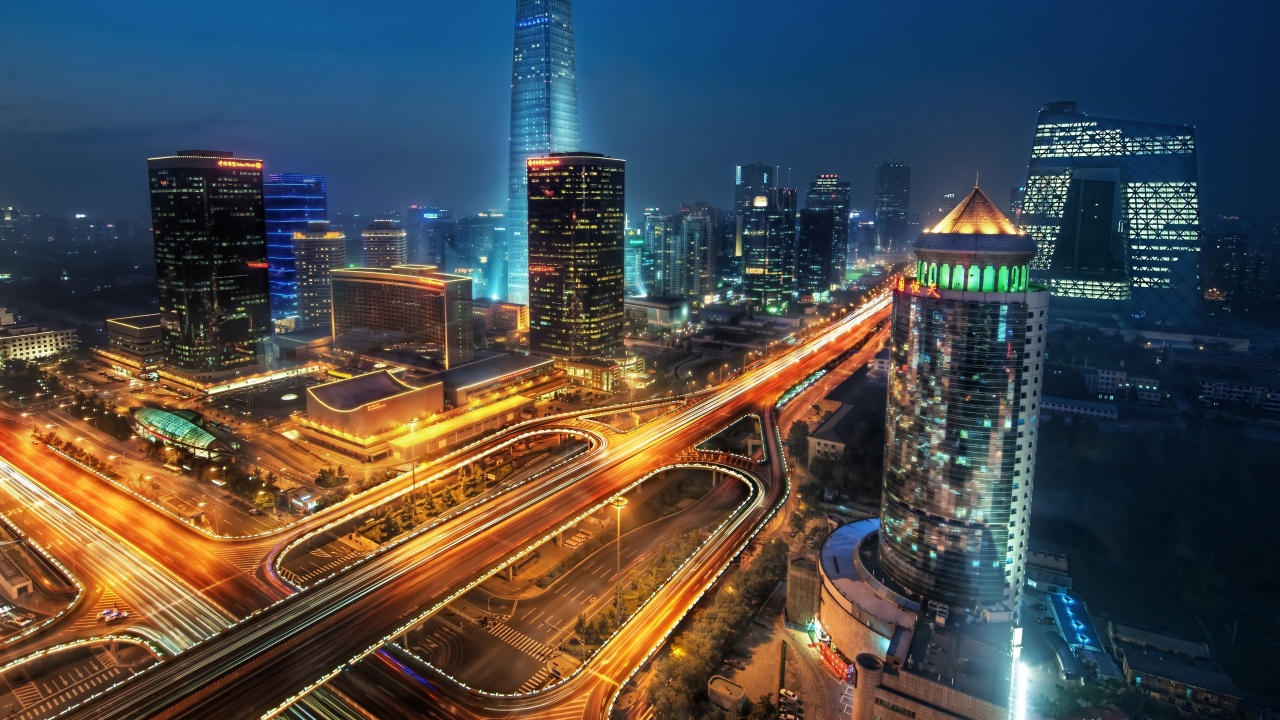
x,y
177,430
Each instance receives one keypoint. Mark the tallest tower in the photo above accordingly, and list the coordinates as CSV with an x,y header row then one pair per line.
x,y
544,116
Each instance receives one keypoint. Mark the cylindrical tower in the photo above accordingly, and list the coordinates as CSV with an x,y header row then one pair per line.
x,y
870,670
967,346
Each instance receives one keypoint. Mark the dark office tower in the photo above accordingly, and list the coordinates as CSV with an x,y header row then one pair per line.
x,y
473,255
431,231
211,261
704,241
385,244
967,351
317,251
819,262
1147,261
660,240
1225,257
769,250
893,201
292,200
829,192
633,263
576,225
544,116
1015,202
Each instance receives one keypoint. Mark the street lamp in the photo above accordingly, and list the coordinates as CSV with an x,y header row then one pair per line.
x,y
618,503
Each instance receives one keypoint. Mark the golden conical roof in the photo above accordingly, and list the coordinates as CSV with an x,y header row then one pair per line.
x,y
976,215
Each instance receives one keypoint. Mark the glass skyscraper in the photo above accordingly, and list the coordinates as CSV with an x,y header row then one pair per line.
x,y
576,227
292,200
769,250
893,201
1114,208
211,261
544,116
966,349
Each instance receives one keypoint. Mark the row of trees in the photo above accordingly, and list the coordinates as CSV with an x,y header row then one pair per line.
x,y
680,677
73,450
419,508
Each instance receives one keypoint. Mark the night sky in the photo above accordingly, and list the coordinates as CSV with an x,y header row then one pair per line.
x,y
402,102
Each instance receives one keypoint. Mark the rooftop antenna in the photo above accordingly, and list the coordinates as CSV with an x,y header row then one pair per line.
x,y
975,179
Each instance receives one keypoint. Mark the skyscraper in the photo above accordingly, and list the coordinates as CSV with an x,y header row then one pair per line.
x,y
317,251
210,235
700,226
576,226
893,201
829,192
384,244
768,250
544,116
291,200
634,263
967,350
1114,208
660,256
413,305
478,238
750,182
818,266
431,233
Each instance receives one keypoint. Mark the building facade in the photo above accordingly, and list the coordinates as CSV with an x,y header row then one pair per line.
x,y
317,251
406,305
207,218
967,344
134,345
819,258
290,201
893,202
829,192
385,244
544,116
576,228
661,262
1114,208
768,250
480,239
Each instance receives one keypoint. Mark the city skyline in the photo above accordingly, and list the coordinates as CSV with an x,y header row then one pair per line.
x,y
629,119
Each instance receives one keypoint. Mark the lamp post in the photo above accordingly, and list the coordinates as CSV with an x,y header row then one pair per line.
x,y
618,503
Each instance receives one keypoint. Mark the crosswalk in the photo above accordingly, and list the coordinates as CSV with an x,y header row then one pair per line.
x,y
246,557
537,681
42,699
108,601
337,558
522,642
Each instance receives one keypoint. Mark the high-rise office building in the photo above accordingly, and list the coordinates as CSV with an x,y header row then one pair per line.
x,y
819,260
210,235
1224,260
544,116
893,202
829,192
431,232
634,263
479,238
577,219
967,355
317,251
384,244
661,238
291,200
750,182
769,250
1114,208
700,226
413,306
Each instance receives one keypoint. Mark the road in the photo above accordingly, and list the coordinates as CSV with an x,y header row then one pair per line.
x,y
267,660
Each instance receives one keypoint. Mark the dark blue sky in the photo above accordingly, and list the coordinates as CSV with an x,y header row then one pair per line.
x,y
401,102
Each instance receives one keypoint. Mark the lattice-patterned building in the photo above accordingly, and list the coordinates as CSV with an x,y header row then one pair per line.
x,y
1113,206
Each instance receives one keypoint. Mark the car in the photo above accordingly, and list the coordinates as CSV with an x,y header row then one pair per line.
x,y
1039,607
788,694
1045,620
255,511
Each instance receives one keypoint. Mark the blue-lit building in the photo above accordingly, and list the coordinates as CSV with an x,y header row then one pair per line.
x,y
544,116
1114,208
291,201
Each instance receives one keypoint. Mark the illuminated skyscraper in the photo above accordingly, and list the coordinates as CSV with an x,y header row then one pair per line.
x,y
385,244
211,261
633,265
893,201
1114,208
699,241
658,265
966,356
317,251
769,250
544,115
291,200
478,237
576,228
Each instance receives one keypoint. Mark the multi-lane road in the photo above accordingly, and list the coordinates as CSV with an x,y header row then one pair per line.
x,y
267,660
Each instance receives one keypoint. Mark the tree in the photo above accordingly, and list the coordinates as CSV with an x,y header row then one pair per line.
x,y
264,501
798,442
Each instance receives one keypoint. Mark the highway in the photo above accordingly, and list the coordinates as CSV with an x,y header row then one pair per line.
x,y
266,660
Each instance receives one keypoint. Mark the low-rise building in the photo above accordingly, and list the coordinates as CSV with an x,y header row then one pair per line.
x,y
595,373
1050,406
1258,390
828,440
726,694
13,581
27,341
495,377
498,316
134,345
804,587
358,416
658,312
1113,384
1178,672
